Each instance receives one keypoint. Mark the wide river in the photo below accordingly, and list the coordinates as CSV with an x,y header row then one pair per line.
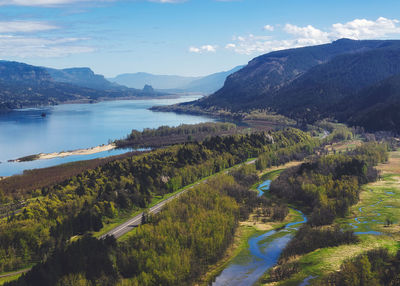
x,y
77,126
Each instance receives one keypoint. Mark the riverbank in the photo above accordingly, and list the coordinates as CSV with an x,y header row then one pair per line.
x,y
244,232
62,154
252,227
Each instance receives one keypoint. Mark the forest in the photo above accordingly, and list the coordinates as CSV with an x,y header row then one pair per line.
x,y
52,214
173,247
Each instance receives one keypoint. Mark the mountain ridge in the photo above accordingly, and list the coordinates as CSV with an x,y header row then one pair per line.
x,y
311,83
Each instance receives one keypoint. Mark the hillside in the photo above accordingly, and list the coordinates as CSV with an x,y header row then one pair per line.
x,y
312,83
266,75
325,89
377,107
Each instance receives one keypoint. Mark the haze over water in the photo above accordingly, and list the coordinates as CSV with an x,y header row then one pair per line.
x,y
77,126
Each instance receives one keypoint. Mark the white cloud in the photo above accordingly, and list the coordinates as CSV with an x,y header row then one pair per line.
x,y
358,29
24,27
27,47
268,28
366,29
203,49
308,32
25,39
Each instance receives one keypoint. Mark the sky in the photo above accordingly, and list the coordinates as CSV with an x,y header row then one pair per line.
x,y
182,37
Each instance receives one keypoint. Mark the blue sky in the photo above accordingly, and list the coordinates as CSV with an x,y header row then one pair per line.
x,y
192,37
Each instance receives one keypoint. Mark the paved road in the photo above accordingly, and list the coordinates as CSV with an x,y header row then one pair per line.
x,y
14,273
137,220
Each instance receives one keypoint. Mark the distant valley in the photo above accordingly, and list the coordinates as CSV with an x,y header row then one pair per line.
x,y
173,83
23,85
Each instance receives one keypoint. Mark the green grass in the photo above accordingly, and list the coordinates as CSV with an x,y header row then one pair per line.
x,y
272,175
128,235
382,198
12,277
326,260
9,278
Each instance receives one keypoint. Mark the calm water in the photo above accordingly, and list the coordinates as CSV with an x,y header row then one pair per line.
x,y
76,126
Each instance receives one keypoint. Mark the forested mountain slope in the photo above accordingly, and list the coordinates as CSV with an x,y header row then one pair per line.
x,y
352,81
326,88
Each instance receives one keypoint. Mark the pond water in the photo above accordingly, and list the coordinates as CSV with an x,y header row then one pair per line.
x,y
76,126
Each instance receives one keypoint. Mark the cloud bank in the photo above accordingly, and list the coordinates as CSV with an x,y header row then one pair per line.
x,y
358,29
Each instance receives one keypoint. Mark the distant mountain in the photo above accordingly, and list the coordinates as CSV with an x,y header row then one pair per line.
x,y
14,72
84,77
23,85
210,83
138,80
172,83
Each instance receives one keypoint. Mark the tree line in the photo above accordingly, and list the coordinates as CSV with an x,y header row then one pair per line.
x,y
375,267
165,135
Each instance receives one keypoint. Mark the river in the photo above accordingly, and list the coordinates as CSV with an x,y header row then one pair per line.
x,y
263,253
77,126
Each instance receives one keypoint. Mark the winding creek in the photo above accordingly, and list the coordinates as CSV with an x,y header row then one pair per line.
x,y
263,253
360,220
264,250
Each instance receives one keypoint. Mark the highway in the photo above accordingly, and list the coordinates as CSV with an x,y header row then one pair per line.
x,y
137,220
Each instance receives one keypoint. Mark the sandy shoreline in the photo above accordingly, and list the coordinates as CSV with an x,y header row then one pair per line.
x,y
88,151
